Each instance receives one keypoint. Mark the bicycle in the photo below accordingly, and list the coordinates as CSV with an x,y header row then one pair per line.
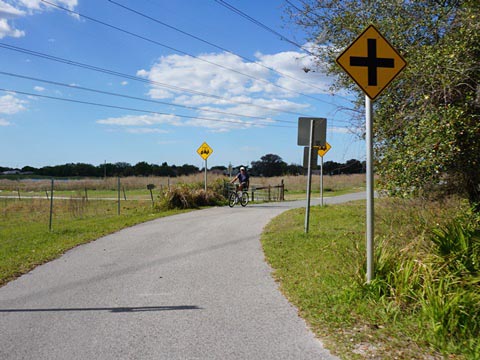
x,y
237,196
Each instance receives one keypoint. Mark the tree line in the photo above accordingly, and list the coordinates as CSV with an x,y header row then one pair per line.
x,y
268,165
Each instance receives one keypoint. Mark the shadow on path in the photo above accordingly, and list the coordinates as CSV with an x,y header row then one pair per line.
x,y
111,309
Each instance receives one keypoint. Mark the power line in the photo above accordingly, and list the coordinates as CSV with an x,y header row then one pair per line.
x,y
180,51
212,44
137,110
77,87
136,78
260,24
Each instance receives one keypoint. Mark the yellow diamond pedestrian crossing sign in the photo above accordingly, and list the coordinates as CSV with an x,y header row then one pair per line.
x,y
204,151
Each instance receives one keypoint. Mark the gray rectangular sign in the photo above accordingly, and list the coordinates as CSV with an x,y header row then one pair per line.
x,y
314,157
319,131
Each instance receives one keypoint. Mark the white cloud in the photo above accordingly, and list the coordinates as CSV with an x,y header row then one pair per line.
x,y
140,120
339,130
7,11
4,122
10,105
22,8
140,123
146,131
124,83
39,5
39,88
248,78
301,72
6,30
244,91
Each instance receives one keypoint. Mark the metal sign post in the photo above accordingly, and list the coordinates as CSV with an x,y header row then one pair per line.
x,y
321,181
373,64
322,151
205,175
309,176
370,186
312,132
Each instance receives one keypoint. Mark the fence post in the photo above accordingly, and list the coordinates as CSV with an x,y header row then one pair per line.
x,y
51,207
282,191
86,194
18,192
269,190
150,187
118,189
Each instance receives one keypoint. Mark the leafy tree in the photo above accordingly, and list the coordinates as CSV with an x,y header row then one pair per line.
x,y
219,168
426,124
187,169
142,169
25,169
295,169
122,169
269,165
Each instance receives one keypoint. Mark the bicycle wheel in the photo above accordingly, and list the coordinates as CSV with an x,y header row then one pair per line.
x,y
244,199
232,199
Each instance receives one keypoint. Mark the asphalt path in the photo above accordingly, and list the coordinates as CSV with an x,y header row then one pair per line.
x,y
190,286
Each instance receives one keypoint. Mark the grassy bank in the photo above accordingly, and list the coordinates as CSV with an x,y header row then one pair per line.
x,y
25,239
422,304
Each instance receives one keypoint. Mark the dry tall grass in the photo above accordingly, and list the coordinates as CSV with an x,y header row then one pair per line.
x,y
292,183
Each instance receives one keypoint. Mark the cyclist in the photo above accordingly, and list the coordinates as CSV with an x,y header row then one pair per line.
x,y
243,178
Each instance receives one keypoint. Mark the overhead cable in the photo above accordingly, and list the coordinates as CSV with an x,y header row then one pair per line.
x,y
78,87
263,26
179,51
140,79
213,45
140,110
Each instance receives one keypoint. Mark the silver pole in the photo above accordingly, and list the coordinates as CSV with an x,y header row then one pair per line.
x,y
370,187
321,180
309,177
205,175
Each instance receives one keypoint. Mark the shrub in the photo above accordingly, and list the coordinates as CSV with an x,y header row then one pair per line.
x,y
186,197
436,276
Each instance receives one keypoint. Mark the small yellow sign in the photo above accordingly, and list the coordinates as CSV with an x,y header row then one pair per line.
x,y
322,150
371,62
204,151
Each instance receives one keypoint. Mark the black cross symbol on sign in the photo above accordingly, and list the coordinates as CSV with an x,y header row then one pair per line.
x,y
372,62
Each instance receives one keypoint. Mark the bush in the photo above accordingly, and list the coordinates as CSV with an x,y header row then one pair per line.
x,y
186,197
437,276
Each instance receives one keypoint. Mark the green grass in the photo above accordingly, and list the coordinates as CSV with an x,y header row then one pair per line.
x,y
131,194
25,239
395,317
299,195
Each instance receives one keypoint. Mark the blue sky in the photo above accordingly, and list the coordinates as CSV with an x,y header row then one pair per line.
x,y
167,91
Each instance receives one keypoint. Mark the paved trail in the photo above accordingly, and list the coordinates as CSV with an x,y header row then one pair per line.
x,y
191,286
